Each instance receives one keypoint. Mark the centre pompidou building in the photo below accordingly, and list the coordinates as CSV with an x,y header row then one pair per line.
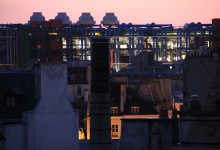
x,y
61,40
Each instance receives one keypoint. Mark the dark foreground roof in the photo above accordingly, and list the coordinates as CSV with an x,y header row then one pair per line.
x,y
19,82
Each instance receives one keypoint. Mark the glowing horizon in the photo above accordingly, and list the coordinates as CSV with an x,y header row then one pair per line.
x,y
127,11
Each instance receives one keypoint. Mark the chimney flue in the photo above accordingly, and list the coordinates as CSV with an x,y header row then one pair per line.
x,y
100,125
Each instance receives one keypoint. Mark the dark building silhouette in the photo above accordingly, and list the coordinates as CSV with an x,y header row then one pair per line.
x,y
100,126
216,35
17,92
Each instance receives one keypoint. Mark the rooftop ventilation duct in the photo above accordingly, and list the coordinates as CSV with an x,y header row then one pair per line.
x,y
63,17
86,19
110,19
38,17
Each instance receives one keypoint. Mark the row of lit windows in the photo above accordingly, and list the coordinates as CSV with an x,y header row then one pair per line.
x,y
133,110
145,43
134,32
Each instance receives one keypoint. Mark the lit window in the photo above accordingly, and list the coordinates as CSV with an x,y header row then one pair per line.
x,y
123,46
114,130
135,109
114,110
97,33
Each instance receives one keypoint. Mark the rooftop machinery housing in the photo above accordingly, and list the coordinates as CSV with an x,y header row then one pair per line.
x,y
61,40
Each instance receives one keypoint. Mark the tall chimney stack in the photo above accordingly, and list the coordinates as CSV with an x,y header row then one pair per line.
x,y
100,127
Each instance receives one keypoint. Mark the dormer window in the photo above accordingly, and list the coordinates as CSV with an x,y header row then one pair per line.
x,y
114,110
13,97
135,109
10,102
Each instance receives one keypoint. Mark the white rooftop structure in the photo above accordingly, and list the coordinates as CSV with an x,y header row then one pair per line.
x,y
38,17
53,123
86,19
110,19
63,16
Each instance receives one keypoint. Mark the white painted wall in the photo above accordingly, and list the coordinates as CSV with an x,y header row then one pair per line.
x,y
53,125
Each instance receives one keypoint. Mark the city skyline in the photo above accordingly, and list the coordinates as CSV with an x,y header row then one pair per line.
x,y
136,12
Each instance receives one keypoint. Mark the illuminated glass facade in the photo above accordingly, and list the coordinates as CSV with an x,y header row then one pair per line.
x,y
168,44
53,41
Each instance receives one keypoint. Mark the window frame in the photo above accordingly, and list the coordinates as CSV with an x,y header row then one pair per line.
x,y
135,109
114,110
114,130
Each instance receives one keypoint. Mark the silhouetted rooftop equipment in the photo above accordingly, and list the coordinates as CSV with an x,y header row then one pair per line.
x,y
110,19
86,19
63,16
38,17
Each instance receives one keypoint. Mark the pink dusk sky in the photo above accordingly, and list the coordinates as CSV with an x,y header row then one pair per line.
x,y
176,12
